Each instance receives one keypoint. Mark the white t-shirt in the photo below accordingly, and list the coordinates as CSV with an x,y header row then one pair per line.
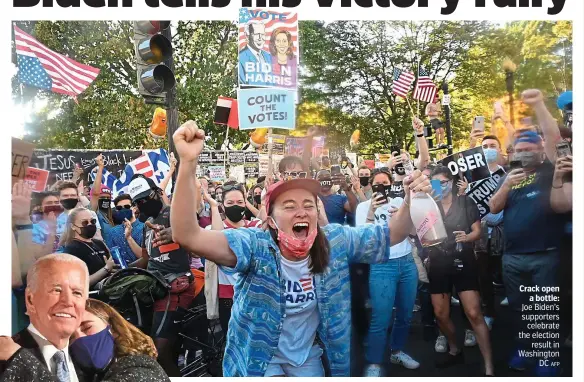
x,y
301,319
382,217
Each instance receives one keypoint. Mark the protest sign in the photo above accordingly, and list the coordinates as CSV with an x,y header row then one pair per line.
x,y
251,171
264,162
273,108
238,173
21,158
482,191
278,145
236,157
216,173
61,163
36,179
469,164
369,163
268,48
252,157
295,146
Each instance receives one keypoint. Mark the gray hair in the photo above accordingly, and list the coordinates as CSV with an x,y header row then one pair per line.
x,y
45,261
250,26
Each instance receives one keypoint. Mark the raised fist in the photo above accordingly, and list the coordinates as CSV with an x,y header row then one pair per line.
x,y
189,141
532,97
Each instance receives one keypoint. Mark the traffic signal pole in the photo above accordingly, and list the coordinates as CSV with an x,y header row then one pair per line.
x,y
170,106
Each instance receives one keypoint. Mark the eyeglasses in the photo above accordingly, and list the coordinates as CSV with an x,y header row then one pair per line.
x,y
288,175
85,223
126,206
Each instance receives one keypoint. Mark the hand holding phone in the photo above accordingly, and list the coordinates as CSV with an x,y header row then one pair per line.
x,y
563,149
479,123
379,193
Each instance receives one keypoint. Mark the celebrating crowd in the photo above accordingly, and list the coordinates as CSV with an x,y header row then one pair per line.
x,y
290,267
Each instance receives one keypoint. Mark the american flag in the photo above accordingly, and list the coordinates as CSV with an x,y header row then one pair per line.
x,y
402,82
425,88
41,67
290,24
154,164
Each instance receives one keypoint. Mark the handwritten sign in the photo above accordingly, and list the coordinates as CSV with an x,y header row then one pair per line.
x,y
21,158
216,173
266,108
36,179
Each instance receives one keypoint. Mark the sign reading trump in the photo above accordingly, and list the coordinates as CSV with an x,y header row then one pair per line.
x,y
266,108
268,48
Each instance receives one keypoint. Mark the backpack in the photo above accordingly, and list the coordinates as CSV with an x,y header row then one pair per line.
x,y
145,286
497,242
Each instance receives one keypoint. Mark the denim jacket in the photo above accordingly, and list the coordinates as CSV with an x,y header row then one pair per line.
x,y
259,304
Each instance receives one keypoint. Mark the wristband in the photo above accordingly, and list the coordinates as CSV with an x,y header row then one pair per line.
x,y
419,135
23,227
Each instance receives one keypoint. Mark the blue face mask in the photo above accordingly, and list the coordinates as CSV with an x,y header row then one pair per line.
x,y
94,352
446,189
491,155
120,216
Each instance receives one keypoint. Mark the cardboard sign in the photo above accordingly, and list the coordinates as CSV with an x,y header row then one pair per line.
x,y
278,145
36,179
21,158
369,163
266,108
482,191
61,163
261,63
216,173
469,164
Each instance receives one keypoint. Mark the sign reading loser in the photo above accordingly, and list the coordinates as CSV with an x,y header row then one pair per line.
x,y
266,108
469,164
482,191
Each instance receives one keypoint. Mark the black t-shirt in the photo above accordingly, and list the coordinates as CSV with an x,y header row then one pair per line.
x,y
530,223
91,253
461,215
170,260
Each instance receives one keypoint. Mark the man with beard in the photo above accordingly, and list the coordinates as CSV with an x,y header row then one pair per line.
x,y
163,257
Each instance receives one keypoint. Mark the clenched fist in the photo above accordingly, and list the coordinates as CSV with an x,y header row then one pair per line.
x,y
189,141
532,97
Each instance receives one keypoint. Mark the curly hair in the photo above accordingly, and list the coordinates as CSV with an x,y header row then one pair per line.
x,y
129,340
290,51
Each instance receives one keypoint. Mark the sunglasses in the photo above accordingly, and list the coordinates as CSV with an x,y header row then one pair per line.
x,y
126,206
232,187
85,223
288,175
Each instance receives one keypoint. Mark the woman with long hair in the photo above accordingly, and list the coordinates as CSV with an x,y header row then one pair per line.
x,y
454,265
78,240
284,61
105,347
292,300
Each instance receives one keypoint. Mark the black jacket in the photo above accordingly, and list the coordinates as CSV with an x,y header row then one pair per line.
x,y
25,367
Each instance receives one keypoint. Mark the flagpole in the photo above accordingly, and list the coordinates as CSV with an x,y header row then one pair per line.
x,y
270,144
419,62
226,150
410,105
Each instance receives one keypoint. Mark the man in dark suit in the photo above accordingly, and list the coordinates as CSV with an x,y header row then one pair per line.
x,y
253,55
57,289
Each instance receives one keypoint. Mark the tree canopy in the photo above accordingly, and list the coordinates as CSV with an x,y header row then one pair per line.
x,y
346,76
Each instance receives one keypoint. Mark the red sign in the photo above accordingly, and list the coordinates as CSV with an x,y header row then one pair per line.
x,y
36,179
369,163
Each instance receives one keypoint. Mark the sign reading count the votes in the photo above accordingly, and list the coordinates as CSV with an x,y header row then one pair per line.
x,y
266,108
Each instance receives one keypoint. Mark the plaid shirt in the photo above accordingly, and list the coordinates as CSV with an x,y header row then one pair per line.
x,y
259,304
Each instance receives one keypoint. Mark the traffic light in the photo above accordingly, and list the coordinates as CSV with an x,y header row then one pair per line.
x,y
155,79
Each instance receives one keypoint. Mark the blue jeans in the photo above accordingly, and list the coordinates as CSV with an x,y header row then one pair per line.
x,y
539,269
391,283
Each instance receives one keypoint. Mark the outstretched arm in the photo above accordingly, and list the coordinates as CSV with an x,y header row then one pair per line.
x,y
212,245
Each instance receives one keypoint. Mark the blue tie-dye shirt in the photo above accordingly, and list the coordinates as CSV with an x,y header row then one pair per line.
x,y
259,303
116,237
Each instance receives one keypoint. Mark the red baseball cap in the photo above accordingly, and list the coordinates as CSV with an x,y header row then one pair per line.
x,y
276,189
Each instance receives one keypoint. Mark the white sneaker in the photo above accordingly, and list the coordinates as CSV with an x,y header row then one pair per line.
x,y
441,344
489,321
401,358
505,302
372,371
469,338
454,301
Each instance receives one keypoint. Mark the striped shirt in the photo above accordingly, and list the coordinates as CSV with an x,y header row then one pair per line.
x,y
259,303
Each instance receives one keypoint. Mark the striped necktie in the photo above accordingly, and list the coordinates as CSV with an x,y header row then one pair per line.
x,y
61,368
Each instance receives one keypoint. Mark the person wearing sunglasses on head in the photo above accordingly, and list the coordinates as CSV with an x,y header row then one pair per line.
x,y
128,232
78,240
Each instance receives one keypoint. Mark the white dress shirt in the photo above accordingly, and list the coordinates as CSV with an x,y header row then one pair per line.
x,y
48,350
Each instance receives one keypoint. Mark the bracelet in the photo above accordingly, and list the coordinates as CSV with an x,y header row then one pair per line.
x,y
23,227
419,135
108,271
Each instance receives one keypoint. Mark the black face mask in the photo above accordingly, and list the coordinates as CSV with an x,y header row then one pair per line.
x,y
151,208
70,203
88,231
235,213
257,199
364,180
104,203
142,218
